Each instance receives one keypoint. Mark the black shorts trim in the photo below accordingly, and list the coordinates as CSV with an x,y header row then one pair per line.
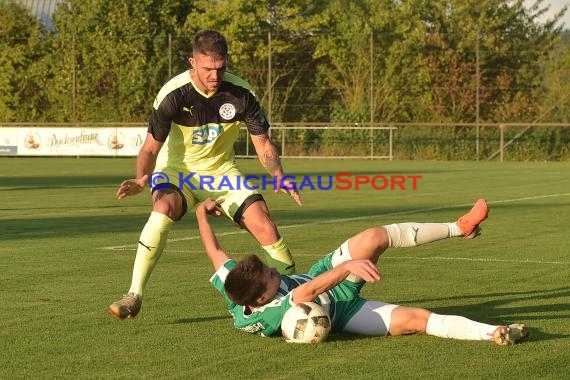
x,y
246,203
171,186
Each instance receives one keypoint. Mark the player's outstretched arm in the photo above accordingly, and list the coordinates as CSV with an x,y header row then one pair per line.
x,y
269,158
308,291
146,161
211,245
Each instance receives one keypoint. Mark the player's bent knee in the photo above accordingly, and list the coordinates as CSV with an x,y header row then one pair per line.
x,y
376,238
418,318
408,320
169,203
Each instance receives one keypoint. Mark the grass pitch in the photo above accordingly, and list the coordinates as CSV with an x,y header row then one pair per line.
x,y
67,249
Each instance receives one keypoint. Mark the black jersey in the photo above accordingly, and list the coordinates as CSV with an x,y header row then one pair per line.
x,y
200,131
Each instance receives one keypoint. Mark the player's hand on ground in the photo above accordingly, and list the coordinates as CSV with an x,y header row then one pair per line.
x,y
288,187
212,206
364,269
131,187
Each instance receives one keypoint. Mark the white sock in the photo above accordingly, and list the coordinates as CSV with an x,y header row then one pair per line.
x,y
456,327
403,235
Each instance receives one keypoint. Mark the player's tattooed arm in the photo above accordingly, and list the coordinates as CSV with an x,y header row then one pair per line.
x,y
268,155
269,158
271,161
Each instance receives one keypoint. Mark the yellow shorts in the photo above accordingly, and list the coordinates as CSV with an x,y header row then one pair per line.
x,y
232,186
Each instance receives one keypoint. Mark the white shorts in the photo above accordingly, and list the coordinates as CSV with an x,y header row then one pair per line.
x,y
373,319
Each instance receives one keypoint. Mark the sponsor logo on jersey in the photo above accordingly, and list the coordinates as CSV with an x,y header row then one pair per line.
x,y
253,328
206,134
227,111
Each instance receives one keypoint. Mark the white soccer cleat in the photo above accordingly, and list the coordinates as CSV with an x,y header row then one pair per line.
x,y
509,335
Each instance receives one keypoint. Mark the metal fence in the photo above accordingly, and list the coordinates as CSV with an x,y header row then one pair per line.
x,y
471,141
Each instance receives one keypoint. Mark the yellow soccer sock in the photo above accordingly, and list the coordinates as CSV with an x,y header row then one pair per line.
x,y
279,257
151,244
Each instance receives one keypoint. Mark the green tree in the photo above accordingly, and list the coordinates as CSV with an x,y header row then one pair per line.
x,y
248,27
344,45
21,37
515,43
109,58
556,104
425,58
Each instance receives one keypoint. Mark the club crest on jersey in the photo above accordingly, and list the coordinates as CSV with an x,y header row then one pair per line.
x,y
227,111
206,134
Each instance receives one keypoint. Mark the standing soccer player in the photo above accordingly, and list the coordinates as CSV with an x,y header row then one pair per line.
x,y
195,121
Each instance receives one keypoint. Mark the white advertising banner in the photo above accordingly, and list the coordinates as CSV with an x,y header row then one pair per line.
x,y
72,141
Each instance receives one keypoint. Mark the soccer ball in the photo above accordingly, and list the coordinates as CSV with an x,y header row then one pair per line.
x,y
306,322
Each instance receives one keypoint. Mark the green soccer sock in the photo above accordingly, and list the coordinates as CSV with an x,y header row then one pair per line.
x,y
151,244
279,257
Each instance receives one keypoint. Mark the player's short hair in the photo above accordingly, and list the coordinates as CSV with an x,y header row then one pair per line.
x,y
210,42
243,284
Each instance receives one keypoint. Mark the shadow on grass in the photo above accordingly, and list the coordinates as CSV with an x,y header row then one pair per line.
x,y
201,319
124,220
534,335
495,310
54,182
57,227
487,312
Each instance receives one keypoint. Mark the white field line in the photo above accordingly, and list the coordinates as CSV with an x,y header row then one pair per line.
x,y
406,257
484,260
132,247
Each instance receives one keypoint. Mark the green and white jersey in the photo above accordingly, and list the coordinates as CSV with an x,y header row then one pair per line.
x,y
341,302
265,320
